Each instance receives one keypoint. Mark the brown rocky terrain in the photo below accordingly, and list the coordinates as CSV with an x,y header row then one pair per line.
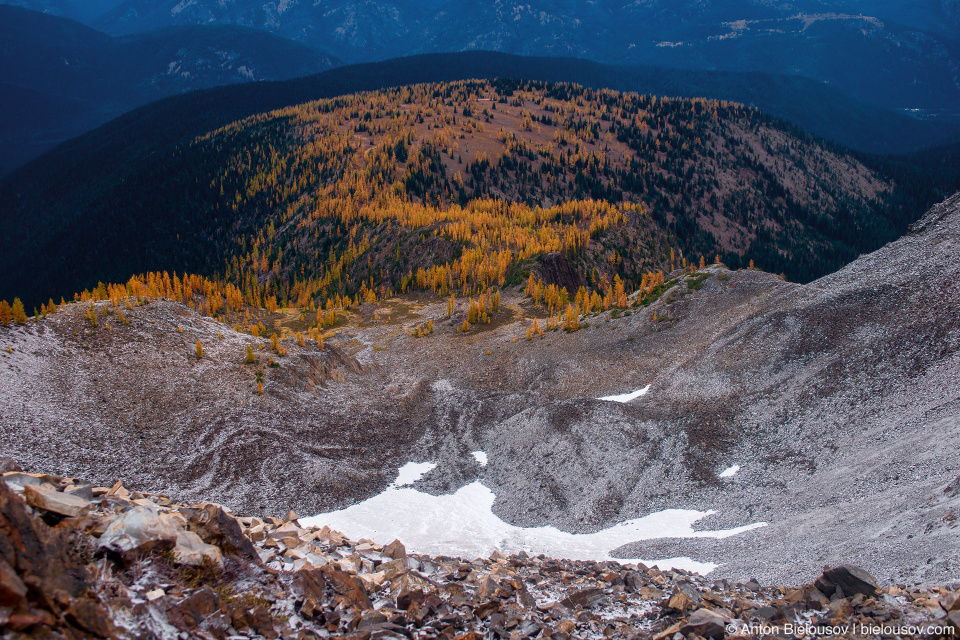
x,y
837,399
78,561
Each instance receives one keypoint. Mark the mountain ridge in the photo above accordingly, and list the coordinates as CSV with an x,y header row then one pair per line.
x,y
452,164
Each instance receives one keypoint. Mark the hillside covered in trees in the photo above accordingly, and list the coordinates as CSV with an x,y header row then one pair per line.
x,y
461,186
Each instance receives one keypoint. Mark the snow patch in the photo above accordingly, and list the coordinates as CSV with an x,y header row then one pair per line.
x,y
480,457
463,524
411,472
627,397
181,6
729,473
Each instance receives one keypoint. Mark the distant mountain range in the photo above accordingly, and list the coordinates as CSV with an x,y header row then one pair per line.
x,y
60,78
799,61
85,11
895,54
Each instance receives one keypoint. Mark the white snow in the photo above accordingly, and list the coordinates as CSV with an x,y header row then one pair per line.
x,y
480,456
729,473
463,524
627,397
411,472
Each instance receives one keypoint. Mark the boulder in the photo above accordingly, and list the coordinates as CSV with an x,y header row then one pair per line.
x,y
84,491
395,550
51,500
118,491
16,481
954,620
216,526
850,579
684,597
8,464
311,584
194,609
91,617
12,589
705,623
41,580
139,531
583,599
192,551
350,587
950,602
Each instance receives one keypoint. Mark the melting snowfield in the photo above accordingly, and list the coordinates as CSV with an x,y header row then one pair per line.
x,y
463,524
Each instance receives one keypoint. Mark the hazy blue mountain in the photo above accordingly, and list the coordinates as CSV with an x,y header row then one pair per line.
x,y
902,55
61,78
361,29
85,11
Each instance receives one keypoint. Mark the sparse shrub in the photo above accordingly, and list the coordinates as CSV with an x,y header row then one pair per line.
x,y
92,315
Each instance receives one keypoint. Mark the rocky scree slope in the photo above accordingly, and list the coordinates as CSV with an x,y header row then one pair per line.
x,y
135,565
837,399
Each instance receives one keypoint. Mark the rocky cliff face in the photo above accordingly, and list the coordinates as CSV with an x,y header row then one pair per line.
x,y
838,400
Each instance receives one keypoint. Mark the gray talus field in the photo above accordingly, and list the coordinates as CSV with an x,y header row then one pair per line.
x,y
839,400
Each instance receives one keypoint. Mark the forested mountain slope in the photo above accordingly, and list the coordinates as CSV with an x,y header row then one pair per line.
x,y
341,194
